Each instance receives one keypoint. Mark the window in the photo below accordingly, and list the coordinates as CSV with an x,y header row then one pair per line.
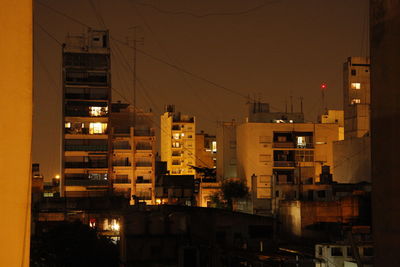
x,y
97,128
336,251
321,193
98,111
67,125
176,136
349,252
353,72
301,141
176,144
214,146
369,252
355,101
305,156
356,86
282,139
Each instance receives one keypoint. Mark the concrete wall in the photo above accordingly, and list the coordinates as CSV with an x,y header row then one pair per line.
x,y
16,131
352,160
226,150
385,129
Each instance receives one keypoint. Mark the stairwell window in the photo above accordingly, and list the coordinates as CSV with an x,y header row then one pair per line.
x,y
355,101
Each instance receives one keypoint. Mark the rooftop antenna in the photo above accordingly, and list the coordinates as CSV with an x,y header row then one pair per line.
x,y
301,104
291,103
285,105
135,42
324,86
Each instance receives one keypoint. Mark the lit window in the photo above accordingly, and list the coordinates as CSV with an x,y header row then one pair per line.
x,y
214,146
67,125
176,144
98,111
356,86
301,141
97,128
176,136
355,101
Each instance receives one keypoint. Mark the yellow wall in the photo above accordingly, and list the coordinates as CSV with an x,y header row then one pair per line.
x,y
16,131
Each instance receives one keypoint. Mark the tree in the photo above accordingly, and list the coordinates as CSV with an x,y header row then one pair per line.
x,y
230,190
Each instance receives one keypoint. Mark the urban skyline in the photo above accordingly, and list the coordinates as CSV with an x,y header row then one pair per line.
x,y
255,65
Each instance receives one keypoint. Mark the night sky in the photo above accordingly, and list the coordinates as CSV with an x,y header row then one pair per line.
x,y
268,50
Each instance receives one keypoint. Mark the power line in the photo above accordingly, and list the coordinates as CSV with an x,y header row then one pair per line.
x,y
238,13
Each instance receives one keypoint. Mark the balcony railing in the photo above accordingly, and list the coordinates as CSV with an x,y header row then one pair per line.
x,y
86,182
86,147
122,181
143,181
143,164
122,147
284,163
121,163
284,144
148,132
86,165
143,147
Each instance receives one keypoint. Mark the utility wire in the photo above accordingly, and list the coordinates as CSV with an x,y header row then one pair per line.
x,y
238,13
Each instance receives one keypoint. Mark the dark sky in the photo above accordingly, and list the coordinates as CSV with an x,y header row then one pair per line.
x,y
265,49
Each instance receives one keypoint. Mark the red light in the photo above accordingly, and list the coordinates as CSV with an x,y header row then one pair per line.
x,y
323,86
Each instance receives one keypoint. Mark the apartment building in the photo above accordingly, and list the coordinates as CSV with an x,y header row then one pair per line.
x,y
356,96
277,159
178,141
334,116
86,101
133,153
352,156
206,150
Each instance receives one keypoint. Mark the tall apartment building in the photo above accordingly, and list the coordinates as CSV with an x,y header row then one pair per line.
x,y
356,96
178,144
352,156
86,102
133,155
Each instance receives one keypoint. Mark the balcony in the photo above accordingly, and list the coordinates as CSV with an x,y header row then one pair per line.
x,y
144,147
86,182
148,132
284,164
143,181
143,164
121,163
86,165
284,144
122,181
86,148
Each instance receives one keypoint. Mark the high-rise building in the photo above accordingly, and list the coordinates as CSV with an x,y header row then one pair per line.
x,y
178,144
133,157
86,102
356,96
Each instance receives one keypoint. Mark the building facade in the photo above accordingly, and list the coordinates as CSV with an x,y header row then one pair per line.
x,y
178,141
356,96
272,156
226,150
206,150
86,103
134,151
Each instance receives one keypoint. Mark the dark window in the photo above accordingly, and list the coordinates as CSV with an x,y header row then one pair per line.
x,y
353,72
349,252
368,252
276,193
336,251
321,194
